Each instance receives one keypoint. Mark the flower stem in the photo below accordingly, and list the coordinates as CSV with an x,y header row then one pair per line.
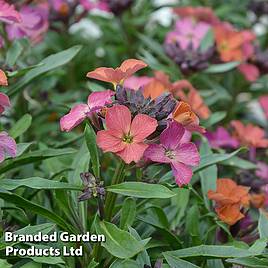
x,y
109,204
111,197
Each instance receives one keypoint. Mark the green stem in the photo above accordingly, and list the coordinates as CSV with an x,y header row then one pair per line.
x,y
109,204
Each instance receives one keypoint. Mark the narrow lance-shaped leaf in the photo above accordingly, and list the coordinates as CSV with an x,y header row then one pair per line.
x,y
21,126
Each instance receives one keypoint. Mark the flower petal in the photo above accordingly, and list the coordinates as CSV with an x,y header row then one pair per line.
x,y
230,214
132,152
172,135
142,126
156,153
3,78
118,118
182,173
187,154
7,145
131,66
99,99
109,141
4,102
107,75
74,117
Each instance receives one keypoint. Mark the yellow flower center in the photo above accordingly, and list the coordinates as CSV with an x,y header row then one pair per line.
x,y
170,154
128,138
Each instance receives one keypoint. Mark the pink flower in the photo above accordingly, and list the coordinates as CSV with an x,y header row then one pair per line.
x,y
8,13
124,136
90,4
34,23
250,71
136,82
60,6
221,139
264,104
80,112
4,102
7,146
188,32
3,78
262,171
181,156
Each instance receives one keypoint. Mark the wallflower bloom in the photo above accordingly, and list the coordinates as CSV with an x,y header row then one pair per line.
x,y
158,85
34,23
80,112
264,104
183,114
172,150
7,146
229,198
184,90
188,33
60,6
8,13
221,139
3,78
262,171
119,74
4,102
233,45
123,136
90,4
137,82
249,135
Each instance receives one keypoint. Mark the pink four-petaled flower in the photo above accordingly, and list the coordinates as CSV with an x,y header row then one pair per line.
x,y
8,13
172,150
80,112
7,146
124,136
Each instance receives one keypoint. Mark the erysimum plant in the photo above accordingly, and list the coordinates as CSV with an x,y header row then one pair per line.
x,y
142,124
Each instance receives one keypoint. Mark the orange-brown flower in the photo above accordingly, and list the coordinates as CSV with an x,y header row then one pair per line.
x,y
184,90
231,44
229,198
257,200
3,78
249,135
184,115
159,84
119,74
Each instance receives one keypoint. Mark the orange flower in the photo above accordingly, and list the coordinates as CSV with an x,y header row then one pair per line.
x,y
257,200
184,90
229,198
249,135
119,74
3,78
184,115
230,43
159,84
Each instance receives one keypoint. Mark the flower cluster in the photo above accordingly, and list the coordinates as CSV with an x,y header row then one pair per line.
x,y
187,45
138,124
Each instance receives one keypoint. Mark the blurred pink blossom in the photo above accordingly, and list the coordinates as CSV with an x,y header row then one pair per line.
x,y
4,102
34,23
264,104
91,4
7,146
188,32
8,13
136,82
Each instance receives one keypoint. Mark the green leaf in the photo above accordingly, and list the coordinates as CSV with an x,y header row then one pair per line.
x,y
13,53
34,208
222,68
32,157
191,218
141,190
214,118
212,159
119,243
128,213
37,183
21,126
90,137
263,225
211,251
207,41
209,175
239,163
5,264
51,62
249,262
124,264
93,264
176,262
